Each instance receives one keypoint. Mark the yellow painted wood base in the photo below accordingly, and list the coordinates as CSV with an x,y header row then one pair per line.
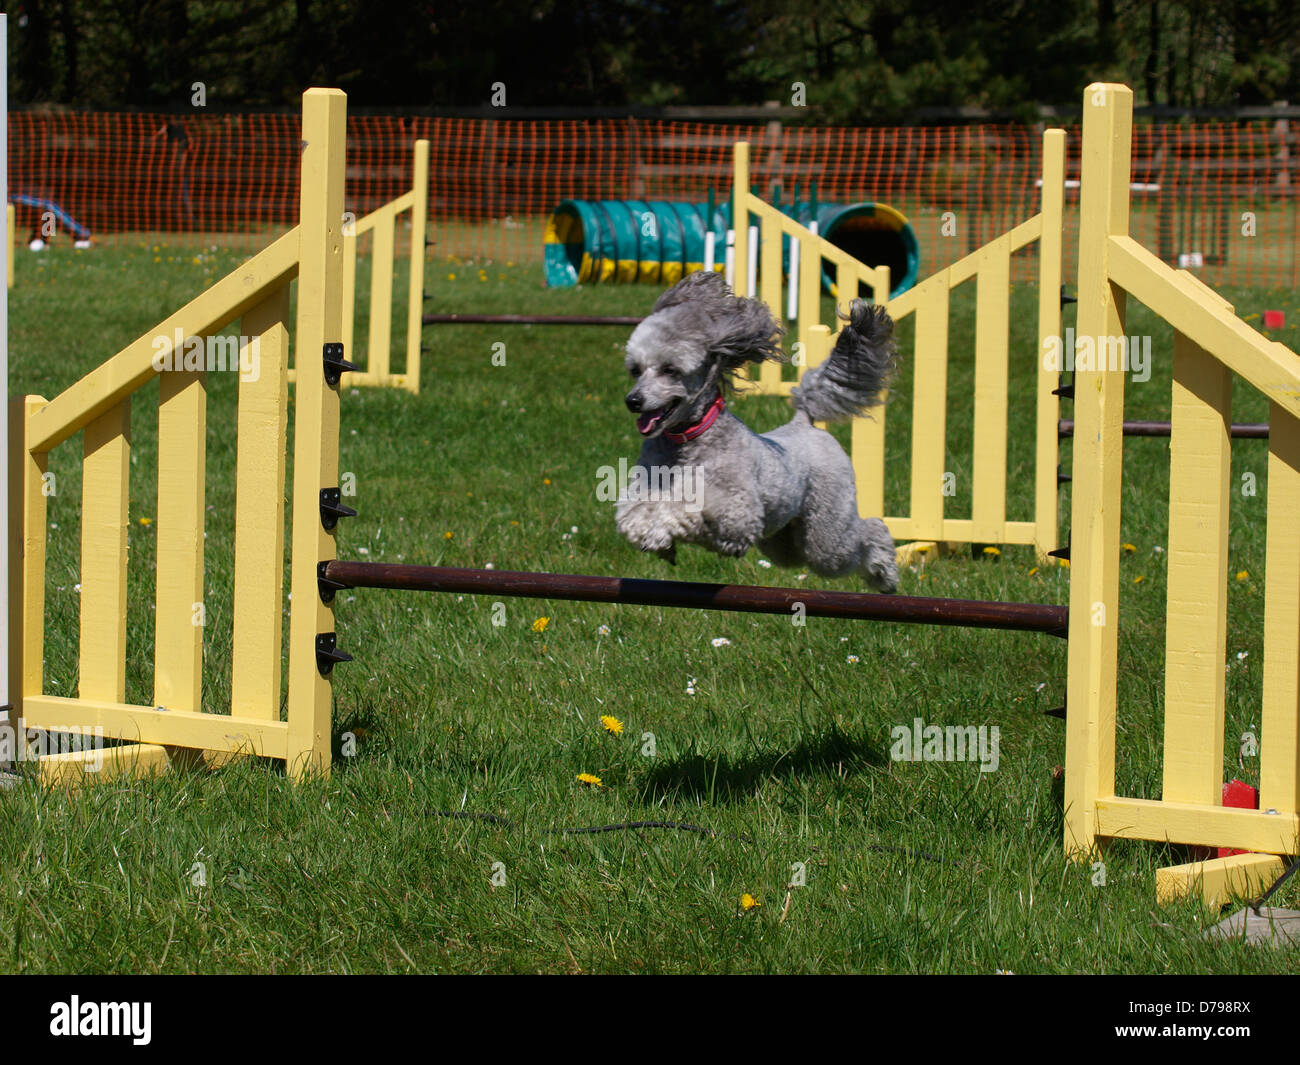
x,y
920,552
1219,880
74,769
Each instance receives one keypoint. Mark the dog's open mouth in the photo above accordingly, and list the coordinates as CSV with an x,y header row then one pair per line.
x,y
650,420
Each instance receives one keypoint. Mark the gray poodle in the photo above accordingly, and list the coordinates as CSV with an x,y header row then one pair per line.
x,y
705,478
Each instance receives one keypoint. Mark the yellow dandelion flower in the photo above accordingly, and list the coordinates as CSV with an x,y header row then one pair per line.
x,y
748,902
1033,571
546,480
146,521
446,536
590,778
1130,548
1243,575
992,551
451,277
540,624
1064,562
1138,580
612,724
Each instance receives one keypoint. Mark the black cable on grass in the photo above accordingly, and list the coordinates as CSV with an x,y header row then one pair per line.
x,y
1276,884
625,826
679,826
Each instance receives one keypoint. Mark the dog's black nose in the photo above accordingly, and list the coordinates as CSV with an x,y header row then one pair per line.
x,y
633,402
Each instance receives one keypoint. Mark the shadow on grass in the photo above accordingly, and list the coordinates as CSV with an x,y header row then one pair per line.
x,y
722,777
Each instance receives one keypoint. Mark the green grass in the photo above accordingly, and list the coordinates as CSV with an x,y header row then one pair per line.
x,y
783,749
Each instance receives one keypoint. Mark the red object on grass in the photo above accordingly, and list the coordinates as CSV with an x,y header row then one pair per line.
x,y
1239,794
1274,319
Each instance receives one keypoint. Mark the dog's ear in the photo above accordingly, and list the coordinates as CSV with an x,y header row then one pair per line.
x,y
703,286
746,332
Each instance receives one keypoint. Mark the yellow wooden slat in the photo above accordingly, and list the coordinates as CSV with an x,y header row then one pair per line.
x,y
76,769
930,408
810,295
1197,604
1266,364
379,351
992,331
1219,880
769,280
1208,826
210,312
969,265
740,218
259,515
349,333
419,231
171,728
1047,412
958,531
1098,449
178,591
769,264
867,450
391,209
1279,752
104,497
316,423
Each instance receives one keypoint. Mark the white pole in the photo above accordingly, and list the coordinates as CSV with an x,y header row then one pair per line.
x,y
708,251
731,258
4,372
753,261
792,302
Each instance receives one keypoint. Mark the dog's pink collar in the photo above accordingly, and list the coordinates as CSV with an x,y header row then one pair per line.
x,y
700,427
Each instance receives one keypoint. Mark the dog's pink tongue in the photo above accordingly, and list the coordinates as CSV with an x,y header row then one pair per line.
x,y
647,422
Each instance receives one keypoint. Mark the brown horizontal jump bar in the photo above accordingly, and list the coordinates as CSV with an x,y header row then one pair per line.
x,y
1242,430
527,319
920,610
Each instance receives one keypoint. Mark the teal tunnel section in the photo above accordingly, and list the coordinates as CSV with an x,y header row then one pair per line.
x,y
657,242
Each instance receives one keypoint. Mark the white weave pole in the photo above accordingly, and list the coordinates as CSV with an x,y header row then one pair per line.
x,y
792,301
753,261
4,370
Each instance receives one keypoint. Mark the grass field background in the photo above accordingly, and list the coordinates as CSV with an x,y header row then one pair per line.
x,y
777,741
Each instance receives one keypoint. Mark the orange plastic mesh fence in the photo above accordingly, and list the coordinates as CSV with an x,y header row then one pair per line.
x,y
1222,196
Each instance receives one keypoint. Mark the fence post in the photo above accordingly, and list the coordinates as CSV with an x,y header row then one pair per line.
x,y
1097,465
419,233
1046,490
316,421
740,218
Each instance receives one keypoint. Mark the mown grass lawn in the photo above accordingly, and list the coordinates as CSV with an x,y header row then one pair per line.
x,y
776,741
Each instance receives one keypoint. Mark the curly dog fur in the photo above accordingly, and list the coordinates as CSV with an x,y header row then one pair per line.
x,y
717,484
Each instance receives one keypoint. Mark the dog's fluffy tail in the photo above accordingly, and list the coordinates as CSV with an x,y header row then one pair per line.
x,y
850,381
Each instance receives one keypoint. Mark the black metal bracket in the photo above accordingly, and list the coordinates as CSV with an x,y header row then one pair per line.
x,y
1061,552
325,586
332,508
327,653
335,364
1065,391
1067,298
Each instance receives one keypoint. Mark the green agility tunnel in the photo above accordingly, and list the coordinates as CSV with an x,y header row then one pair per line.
x,y
626,241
